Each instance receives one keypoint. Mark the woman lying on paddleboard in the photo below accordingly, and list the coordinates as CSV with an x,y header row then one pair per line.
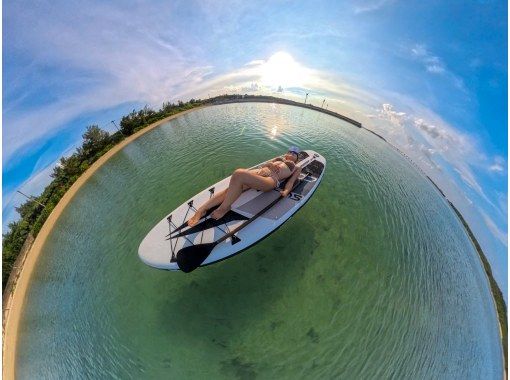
x,y
265,178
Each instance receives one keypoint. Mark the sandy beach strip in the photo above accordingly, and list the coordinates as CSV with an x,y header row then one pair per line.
x,y
20,290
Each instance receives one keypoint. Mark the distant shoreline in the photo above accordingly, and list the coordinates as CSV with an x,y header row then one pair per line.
x,y
13,314
271,99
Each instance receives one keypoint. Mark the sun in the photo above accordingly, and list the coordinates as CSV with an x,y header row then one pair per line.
x,y
282,70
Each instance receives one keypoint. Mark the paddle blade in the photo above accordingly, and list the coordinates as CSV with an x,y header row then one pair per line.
x,y
189,258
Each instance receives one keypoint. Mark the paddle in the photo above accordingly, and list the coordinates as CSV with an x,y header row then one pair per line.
x,y
185,224
208,223
189,258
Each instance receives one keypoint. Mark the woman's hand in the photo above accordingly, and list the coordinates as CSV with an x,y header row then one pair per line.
x,y
284,192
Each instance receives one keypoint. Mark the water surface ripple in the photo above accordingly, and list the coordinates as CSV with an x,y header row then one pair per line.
x,y
373,278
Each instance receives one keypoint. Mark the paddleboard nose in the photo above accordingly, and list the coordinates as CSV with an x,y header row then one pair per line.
x,y
150,250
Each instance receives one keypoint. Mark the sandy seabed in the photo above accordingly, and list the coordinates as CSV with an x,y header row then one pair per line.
x,y
20,290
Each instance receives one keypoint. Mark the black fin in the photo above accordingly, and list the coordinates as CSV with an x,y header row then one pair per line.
x,y
235,239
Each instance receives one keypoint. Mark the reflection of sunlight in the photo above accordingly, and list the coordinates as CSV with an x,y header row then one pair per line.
x,y
282,70
273,132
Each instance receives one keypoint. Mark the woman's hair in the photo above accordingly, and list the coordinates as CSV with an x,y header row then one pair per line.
x,y
295,155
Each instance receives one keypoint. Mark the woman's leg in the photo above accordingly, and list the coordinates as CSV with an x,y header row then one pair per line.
x,y
213,201
240,179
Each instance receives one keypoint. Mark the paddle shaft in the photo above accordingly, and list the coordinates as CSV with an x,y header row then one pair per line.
x,y
191,257
244,224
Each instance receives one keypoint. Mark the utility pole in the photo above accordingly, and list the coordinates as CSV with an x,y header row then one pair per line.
x,y
306,97
118,130
31,198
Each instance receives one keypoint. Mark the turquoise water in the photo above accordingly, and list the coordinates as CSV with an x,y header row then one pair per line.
x,y
373,278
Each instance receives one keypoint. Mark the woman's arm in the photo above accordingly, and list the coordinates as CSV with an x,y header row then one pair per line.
x,y
290,182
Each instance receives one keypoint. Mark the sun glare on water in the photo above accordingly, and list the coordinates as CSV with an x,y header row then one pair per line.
x,y
282,70
274,131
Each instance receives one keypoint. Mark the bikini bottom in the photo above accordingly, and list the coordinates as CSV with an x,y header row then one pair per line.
x,y
273,176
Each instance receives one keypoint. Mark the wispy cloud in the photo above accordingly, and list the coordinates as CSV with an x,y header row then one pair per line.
x,y
363,6
143,79
435,65
426,135
432,63
430,140
396,118
72,63
119,59
498,166
501,235
34,126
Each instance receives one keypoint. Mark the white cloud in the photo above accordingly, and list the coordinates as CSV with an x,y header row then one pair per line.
x,y
363,6
503,203
435,68
117,57
255,62
435,144
498,166
431,130
394,117
469,178
142,54
21,132
435,65
501,235
431,62
123,59
419,50
429,140
253,87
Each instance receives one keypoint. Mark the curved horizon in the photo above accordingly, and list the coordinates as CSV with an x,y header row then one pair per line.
x,y
431,79
91,172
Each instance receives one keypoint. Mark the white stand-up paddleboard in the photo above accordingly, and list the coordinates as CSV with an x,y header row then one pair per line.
x,y
253,216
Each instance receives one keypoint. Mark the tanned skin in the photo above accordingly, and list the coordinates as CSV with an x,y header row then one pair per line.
x,y
242,180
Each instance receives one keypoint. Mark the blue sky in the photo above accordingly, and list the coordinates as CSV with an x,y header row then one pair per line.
x,y
429,76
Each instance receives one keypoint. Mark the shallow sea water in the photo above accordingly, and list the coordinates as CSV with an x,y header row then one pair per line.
x,y
373,278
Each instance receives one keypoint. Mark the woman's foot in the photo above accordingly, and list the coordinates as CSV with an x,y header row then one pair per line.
x,y
219,213
195,218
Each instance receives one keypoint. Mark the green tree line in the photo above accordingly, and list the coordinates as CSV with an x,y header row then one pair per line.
x,y
96,142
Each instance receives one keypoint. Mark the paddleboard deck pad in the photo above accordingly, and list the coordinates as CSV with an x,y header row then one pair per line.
x,y
161,245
